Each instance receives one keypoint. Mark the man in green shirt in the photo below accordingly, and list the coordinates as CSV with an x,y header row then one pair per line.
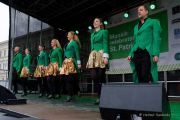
x,y
17,66
144,54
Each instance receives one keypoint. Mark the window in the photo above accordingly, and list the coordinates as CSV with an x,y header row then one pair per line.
x,y
4,66
7,52
4,53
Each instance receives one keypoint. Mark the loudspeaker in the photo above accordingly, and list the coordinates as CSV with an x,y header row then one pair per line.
x,y
7,97
122,101
5,94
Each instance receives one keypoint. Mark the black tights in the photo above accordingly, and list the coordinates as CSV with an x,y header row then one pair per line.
x,y
98,75
72,85
42,84
24,84
54,85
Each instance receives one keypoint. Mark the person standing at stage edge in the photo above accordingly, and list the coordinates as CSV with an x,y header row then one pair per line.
x,y
26,71
17,66
144,54
71,64
53,70
42,63
98,58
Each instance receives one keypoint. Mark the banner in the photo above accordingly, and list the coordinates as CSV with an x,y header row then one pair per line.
x,y
121,41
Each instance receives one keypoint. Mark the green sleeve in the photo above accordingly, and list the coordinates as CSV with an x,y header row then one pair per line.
x,y
131,51
156,38
91,42
20,59
105,41
77,52
134,42
60,57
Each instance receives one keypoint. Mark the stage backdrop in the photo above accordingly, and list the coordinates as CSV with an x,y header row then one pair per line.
x,y
121,41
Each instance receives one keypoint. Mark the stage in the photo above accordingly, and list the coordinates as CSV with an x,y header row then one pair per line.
x,y
82,108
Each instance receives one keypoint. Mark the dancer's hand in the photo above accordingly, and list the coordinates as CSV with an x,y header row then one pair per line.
x,y
79,66
129,58
105,60
156,59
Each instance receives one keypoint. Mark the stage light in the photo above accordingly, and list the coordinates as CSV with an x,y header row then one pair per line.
x,y
126,14
105,22
90,28
152,6
77,32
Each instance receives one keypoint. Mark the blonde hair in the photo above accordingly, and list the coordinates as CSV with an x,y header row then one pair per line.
x,y
57,43
76,38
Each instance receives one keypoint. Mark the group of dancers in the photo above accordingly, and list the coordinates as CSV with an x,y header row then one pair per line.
x,y
143,58
53,67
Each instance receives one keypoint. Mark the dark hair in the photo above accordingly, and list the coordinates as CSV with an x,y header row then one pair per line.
x,y
28,49
101,21
145,7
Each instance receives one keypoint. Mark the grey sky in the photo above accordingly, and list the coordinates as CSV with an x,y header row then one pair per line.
x,y
4,22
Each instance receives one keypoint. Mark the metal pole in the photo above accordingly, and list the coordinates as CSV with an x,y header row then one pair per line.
x,y
92,86
41,33
11,48
165,79
123,78
27,45
107,79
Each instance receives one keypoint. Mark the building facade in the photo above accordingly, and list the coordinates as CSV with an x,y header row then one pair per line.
x,y
4,60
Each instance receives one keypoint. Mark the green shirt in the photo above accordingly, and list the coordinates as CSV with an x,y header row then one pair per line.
x,y
17,62
99,41
56,56
42,59
72,51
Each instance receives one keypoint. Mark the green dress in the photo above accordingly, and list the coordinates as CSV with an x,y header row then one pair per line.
x,y
56,56
147,37
72,51
99,41
17,62
27,62
42,59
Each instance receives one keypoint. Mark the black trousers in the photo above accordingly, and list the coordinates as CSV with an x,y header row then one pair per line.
x,y
142,65
15,81
72,84
24,84
42,84
98,76
54,85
